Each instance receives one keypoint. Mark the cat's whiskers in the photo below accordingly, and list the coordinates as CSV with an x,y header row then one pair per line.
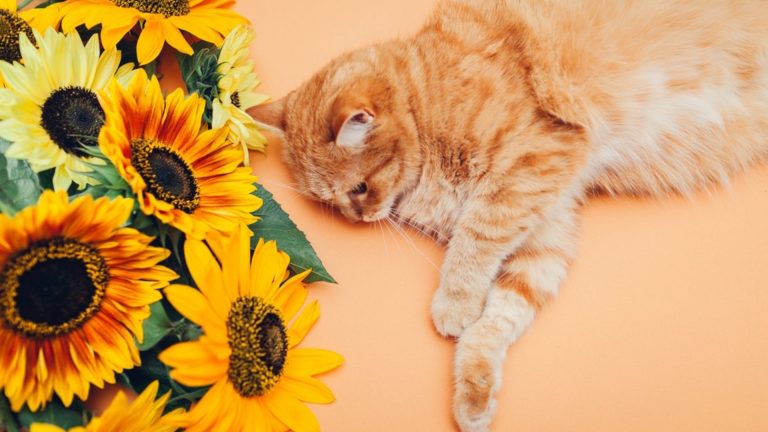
x,y
328,211
380,227
418,228
291,187
408,240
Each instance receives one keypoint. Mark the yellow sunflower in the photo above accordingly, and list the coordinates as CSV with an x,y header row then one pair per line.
x,y
185,176
74,290
236,92
161,22
248,348
14,22
42,18
50,105
144,414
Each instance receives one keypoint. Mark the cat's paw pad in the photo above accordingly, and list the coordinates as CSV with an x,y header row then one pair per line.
x,y
473,404
451,314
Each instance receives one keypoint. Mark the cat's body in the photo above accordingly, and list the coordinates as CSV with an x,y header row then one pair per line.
x,y
490,125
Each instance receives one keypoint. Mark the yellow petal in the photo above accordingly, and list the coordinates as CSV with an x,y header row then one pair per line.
x,y
111,35
256,416
311,361
268,266
174,38
303,324
307,389
207,275
150,42
290,298
191,303
291,412
192,353
43,427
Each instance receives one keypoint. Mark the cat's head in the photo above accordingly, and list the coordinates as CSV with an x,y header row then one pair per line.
x,y
348,136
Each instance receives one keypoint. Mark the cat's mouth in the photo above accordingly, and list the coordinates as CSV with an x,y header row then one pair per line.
x,y
387,210
383,213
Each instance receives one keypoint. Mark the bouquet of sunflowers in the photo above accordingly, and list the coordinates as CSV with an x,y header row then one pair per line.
x,y
135,246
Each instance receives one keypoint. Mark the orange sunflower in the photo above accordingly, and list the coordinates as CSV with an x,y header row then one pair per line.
x,y
161,21
74,290
185,176
248,353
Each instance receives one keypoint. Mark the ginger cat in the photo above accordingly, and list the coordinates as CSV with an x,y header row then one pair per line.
x,y
490,126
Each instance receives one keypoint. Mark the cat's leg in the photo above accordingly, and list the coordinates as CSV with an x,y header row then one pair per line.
x,y
471,261
527,280
498,220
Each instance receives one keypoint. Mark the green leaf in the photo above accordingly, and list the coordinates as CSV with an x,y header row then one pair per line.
x,y
275,224
6,416
54,413
156,327
19,185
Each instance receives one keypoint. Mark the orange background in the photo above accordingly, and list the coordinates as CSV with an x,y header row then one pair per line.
x,y
661,326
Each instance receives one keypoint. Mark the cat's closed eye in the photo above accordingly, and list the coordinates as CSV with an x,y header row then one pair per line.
x,y
359,189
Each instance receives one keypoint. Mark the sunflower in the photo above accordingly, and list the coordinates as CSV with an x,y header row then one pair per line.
x,y
236,92
162,21
248,348
144,414
185,176
74,290
50,106
40,18
12,24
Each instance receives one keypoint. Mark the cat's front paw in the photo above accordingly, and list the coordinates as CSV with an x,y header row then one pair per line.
x,y
453,311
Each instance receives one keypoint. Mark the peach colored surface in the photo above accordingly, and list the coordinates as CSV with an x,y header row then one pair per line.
x,y
661,326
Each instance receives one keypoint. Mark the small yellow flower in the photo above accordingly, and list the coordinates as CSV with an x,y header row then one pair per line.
x,y
161,22
246,307
236,92
187,177
75,288
144,414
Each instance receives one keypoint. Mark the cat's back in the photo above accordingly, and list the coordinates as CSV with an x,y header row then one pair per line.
x,y
672,93
591,39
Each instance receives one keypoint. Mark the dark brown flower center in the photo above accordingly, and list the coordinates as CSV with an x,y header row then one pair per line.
x,y
52,287
73,117
11,26
235,99
259,346
168,176
167,8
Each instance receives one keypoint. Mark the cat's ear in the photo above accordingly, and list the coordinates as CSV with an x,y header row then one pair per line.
x,y
352,131
270,117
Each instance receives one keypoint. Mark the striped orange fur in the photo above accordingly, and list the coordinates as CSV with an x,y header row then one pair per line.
x,y
489,126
